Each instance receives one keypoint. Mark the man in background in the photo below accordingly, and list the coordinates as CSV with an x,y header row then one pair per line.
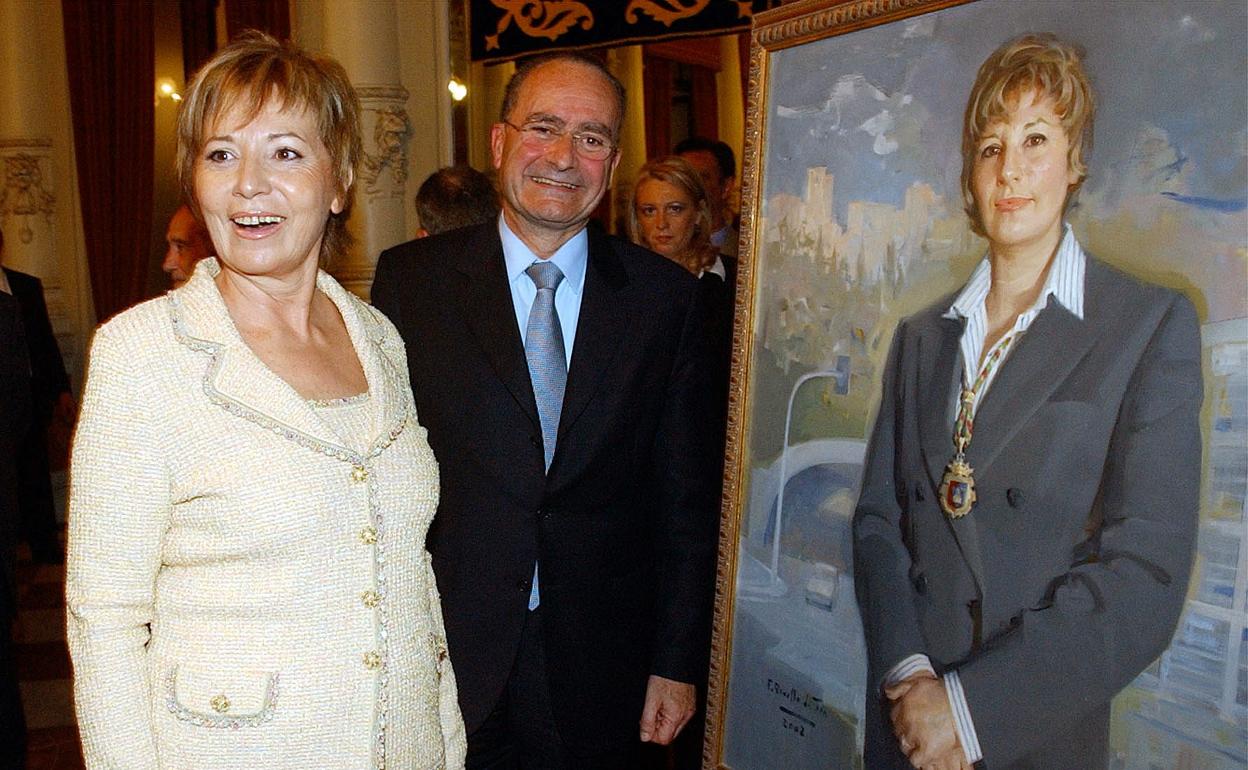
x,y
455,197
188,243
51,406
717,165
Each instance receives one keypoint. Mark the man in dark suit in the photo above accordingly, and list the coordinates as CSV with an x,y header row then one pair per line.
x,y
561,374
50,399
14,422
717,166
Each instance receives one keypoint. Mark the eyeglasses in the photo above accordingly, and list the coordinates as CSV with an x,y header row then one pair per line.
x,y
590,145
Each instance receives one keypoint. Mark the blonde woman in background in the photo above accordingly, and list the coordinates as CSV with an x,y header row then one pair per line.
x,y
671,215
247,580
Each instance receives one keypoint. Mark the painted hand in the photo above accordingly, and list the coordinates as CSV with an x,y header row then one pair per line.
x,y
923,723
669,705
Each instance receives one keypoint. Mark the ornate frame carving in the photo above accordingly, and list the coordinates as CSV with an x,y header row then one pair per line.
x,y
775,30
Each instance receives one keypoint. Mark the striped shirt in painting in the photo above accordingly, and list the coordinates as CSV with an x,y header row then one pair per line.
x,y
1064,283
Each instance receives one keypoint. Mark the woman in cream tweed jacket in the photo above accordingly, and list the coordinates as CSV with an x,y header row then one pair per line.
x,y
246,588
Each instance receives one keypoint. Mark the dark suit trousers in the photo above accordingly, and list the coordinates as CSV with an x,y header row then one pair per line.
x,y
520,733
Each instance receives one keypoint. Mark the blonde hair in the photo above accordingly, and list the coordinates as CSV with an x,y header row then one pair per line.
x,y
677,172
249,72
1050,67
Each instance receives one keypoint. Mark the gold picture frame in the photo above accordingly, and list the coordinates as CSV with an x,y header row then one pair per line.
x,y
849,63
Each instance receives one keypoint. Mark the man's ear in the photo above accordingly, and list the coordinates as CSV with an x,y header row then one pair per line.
x,y
498,134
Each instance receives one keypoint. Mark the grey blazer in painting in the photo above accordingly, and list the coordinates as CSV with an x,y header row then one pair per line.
x,y
1067,578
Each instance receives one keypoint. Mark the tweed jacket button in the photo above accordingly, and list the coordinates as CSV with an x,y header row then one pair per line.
x,y
370,598
372,661
368,535
1014,496
359,473
220,704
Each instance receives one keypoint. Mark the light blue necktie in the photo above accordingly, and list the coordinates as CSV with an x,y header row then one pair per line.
x,y
548,365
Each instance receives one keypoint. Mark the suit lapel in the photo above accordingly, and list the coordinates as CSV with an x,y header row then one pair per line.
x,y
939,378
380,358
490,315
235,379
1050,349
599,329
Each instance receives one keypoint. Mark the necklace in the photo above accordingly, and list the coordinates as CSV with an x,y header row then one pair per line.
x,y
957,485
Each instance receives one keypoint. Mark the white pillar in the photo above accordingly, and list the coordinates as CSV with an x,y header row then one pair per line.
x,y
382,44
39,209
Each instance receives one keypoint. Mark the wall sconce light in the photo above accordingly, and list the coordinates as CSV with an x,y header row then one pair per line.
x,y
458,90
167,89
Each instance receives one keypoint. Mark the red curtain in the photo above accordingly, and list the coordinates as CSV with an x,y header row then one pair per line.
x,y
705,101
656,78
111,60
199,34
272,16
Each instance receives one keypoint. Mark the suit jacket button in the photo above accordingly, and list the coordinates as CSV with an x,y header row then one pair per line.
x,y
918,492
523,584
920,584
1014,497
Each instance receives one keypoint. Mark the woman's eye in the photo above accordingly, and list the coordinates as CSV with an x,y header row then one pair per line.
x,y
991,151
287,154
217,156
676,208
1034,140
646,211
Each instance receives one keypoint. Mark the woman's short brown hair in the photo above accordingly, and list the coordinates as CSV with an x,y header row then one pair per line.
x,y
250,71
677,172
1040,63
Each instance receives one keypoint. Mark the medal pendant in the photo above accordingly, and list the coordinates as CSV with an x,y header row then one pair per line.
x,y
957,488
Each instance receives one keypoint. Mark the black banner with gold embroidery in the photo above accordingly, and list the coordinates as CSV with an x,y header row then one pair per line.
x,y
506,29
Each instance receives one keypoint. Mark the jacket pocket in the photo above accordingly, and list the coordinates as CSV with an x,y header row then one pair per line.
x,y
221,698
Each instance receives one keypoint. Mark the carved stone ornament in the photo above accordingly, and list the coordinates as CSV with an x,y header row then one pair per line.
x,y
392,131
25,193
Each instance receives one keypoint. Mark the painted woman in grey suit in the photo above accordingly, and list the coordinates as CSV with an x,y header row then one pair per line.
x,y
1024,536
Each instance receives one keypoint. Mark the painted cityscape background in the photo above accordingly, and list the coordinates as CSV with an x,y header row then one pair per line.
x,y
860,223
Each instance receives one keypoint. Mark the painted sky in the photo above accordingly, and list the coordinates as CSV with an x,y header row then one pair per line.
x,y
1167,193
883,106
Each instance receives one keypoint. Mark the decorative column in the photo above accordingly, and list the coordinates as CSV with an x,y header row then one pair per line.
x,y
363,36
625,62
38,201
485,99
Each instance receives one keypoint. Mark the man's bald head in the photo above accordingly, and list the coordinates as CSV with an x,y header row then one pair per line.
x,y
188,243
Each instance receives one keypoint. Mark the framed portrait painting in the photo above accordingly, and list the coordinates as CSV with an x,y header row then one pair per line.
x,y
853,219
